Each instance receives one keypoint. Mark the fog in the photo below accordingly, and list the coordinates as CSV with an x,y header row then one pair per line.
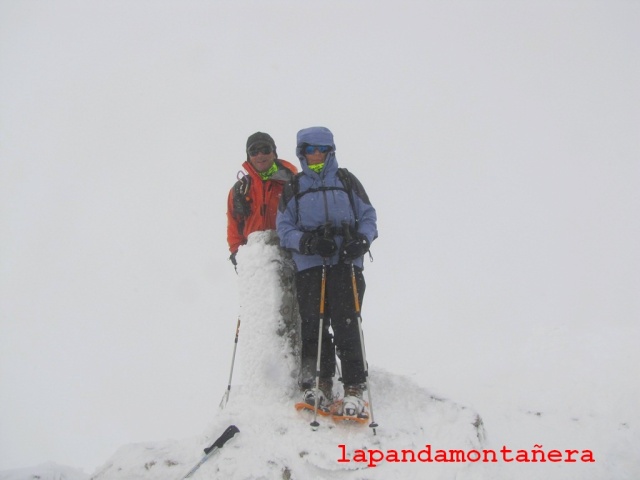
x,y
498,141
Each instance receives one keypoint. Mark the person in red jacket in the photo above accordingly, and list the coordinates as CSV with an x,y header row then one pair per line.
x,y
252,203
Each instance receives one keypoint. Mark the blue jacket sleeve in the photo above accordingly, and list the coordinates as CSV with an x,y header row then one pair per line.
x,y
286,226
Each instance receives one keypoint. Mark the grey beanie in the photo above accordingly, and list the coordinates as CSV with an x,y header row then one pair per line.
x,y
260,138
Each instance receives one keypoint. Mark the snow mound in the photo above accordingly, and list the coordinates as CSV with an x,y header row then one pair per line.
x,y
276,441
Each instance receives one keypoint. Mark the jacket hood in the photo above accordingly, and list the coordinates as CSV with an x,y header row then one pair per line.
x,y
315,136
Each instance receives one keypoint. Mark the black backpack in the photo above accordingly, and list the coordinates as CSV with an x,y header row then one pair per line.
x,y
241,199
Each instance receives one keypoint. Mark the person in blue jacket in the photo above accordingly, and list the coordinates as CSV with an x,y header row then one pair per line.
x,y
326,220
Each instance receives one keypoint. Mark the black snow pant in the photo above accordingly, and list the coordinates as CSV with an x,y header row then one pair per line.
x,y
339,315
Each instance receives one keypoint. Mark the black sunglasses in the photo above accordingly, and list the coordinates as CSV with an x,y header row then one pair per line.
x,y
266,150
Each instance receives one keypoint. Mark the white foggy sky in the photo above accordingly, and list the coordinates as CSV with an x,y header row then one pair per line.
x,y
499,142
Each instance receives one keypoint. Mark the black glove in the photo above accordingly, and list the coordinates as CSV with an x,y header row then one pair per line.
x,y
313,243
354,247
234,262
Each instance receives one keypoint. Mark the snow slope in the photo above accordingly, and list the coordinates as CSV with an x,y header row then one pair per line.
x,y
46,471
276,442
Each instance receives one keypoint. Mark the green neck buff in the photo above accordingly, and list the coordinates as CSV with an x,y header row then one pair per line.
x,y
317,167
267,175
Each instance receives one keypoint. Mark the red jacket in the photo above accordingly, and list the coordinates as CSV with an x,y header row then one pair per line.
x,y
260,202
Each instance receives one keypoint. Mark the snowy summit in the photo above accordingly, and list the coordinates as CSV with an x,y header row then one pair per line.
x,y
276,441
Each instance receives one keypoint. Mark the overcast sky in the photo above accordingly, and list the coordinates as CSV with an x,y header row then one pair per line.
x,y
499,142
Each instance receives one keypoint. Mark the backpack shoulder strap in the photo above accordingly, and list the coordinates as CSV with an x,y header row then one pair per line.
x,y
347,179
295,183
291,190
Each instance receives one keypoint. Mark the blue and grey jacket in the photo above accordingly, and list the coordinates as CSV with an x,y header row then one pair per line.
x,y
320,199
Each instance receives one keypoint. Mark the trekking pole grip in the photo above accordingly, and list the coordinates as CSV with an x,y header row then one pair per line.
x,y
224,438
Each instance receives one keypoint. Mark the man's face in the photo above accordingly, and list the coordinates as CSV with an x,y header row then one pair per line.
x,y
261,156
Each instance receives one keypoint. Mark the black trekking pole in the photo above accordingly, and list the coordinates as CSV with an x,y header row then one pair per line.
x,y
215,446
356,303
225,397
